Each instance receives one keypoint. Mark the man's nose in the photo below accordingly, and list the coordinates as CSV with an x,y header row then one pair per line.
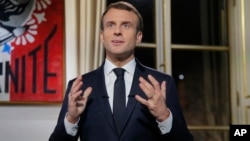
x,y
117,31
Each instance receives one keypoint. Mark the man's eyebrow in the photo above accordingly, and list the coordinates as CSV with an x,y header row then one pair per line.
x,y
127,22
121,22
108,22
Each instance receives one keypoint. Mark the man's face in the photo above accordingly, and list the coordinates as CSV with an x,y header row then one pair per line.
x,y
119,35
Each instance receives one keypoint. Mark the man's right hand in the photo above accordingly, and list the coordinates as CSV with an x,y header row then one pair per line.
x,y
77,102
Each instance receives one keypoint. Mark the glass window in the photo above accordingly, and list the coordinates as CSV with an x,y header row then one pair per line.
x,y
146,56
199,22
202,80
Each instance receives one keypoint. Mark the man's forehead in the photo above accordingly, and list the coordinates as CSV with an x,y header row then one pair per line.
x,y
119,14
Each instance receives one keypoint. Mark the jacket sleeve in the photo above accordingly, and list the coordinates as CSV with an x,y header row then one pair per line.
x,y
59,133
179,130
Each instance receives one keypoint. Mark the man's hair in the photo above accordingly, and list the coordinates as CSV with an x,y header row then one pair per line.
x,y
124,6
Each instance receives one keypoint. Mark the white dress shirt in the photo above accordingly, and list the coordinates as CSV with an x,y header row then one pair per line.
x,y
110,78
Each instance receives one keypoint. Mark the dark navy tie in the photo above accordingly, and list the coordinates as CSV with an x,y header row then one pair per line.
x,y
119,102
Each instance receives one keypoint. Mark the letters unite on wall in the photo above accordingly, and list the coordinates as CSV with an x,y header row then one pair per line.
x,y
31,51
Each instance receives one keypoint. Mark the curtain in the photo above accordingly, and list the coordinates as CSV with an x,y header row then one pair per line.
x,y
91,52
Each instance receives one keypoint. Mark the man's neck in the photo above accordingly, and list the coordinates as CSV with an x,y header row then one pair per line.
x,y
119,62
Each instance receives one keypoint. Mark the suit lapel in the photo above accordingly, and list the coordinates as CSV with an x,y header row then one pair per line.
x,y
135,89
102,95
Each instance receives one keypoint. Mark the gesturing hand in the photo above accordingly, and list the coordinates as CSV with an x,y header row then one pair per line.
x,y
77,102
156,93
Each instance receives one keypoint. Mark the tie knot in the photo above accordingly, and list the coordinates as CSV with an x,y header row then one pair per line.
x,y
119,71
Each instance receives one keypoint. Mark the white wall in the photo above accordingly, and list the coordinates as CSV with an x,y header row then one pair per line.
x,y
27,123
36,122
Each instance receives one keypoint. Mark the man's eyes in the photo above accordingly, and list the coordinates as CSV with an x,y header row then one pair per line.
x,y
110,25
125,25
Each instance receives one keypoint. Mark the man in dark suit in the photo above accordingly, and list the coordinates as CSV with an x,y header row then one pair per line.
x,y
149,109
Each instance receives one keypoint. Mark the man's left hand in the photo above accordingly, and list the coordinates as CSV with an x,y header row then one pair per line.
x,y
156,97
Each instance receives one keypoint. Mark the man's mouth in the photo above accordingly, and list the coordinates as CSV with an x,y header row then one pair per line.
x,y
117,42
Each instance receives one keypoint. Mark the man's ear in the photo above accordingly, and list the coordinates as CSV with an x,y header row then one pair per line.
x,y
139,37
101,36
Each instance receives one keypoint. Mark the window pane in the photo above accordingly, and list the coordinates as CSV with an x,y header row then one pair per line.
x,y
146,56
202,80
146,9
199,22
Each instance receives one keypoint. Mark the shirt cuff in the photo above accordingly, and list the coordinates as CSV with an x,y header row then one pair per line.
x,y
166,125
70,128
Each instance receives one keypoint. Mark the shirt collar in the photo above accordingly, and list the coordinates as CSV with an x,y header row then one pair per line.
x,y
129,67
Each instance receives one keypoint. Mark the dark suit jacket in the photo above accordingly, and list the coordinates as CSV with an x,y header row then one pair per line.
x,y
96,122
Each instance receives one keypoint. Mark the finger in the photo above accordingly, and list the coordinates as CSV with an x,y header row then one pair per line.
x,y
76,88
87,92
145,90
163,89
145,83
80,102
141,100
75,96
83,99
77,84
146,87
78,79
154,82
